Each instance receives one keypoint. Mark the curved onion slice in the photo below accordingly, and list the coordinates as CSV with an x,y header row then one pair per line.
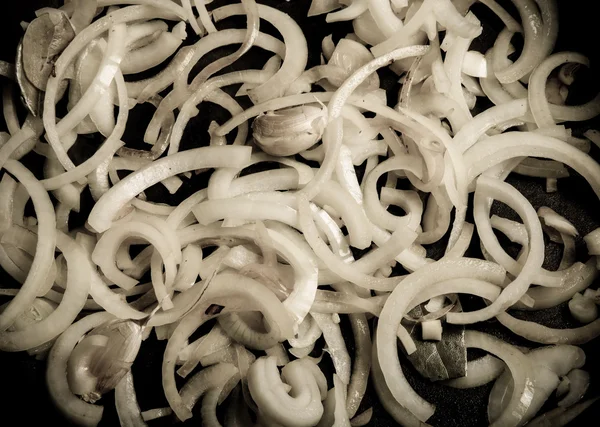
x,y
397,306
126,403
223,289
78,283
294,62
44,252
303,407
521,370
116,198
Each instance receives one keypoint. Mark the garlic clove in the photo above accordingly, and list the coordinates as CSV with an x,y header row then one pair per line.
x,y
103,358
289,131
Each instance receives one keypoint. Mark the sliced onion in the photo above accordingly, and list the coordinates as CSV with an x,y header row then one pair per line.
x,y
293,64
398,304
126,403
73,301
42,261
303,408
115,199
542,334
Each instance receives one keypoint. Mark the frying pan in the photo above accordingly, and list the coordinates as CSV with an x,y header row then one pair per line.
x,y
23,396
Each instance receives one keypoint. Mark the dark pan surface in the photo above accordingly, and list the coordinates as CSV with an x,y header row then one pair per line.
x,y
24,399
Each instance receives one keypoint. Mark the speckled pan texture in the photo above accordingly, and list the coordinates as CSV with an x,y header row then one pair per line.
x,y
24,400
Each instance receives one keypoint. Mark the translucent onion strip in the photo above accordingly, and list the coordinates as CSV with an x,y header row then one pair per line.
x,y
296,49
46,242
398,304
118,196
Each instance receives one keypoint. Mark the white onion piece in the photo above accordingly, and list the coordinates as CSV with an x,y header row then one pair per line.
x,y
496,149
74,298
549,363
592,241
153,54
577,279
367,30
454,62
189,107
115,199
143,33
521,369
462,243
188,271
332,137
240,208
224,286
303,407
542,334
348,13
397,306
70,405
443,107
336,347
221,377
247,328
44,253
70,194
537,84
279,353
107,150
9,110
518,287
319,7
583,309
210,343
174,8
28,132
384,17
305,269
308,333
474,64
335,302
201,48
114,18
182,304
225,182
252,26
479,372
205,18
444,12
347,272
579,381
294,62
100,85
126,403
397,411
153,414
106,248
375,211
561,280
335,413
144,90
99,290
